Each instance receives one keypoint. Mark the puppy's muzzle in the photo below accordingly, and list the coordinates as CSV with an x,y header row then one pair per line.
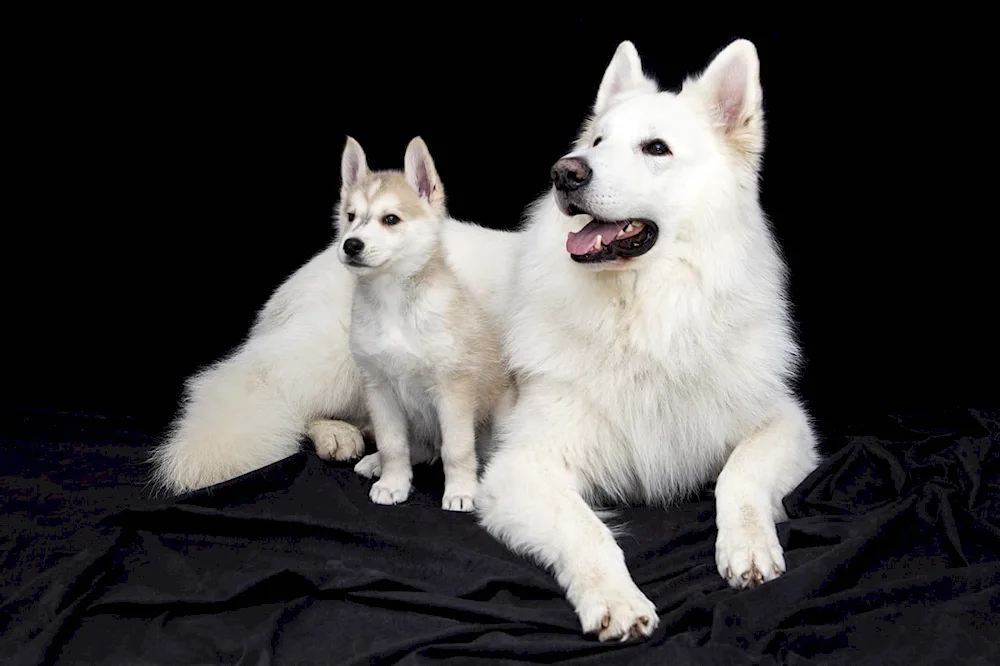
x,y
353,247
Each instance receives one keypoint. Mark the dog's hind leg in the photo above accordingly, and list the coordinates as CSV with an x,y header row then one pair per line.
x,y
336,440
761,470
529,498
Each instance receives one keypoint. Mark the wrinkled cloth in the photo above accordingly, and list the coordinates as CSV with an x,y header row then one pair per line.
x,y
892,547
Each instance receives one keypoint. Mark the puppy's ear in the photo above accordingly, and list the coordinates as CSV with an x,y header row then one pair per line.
x,y
730,89
353,165
623,76
420,173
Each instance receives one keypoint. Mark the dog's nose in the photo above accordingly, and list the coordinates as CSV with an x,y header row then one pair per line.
x,y
353,246
570,173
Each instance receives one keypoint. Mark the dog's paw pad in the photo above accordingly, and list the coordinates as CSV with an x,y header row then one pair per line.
x,y
388,492
458,502
336,440
370,466
618,613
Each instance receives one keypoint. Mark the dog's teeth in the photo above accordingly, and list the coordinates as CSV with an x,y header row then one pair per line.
x,y
598,242
626,231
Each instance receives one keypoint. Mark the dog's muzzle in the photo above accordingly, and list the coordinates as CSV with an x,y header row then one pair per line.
x,y
570,174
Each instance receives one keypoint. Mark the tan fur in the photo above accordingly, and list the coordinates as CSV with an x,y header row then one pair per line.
x,y
482,376
389,185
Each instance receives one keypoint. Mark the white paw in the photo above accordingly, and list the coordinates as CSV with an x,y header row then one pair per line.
x,y
369,466
748,552
336,440
458,502
617,612
390,490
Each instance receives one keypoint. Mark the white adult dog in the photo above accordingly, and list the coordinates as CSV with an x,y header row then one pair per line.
x,y
649,332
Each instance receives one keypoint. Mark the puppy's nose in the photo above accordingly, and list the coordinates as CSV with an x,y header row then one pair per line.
x,y
570,173
353,246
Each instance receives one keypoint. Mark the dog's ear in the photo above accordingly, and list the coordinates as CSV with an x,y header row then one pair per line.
x,y
420,173
730,85
353,165
624,75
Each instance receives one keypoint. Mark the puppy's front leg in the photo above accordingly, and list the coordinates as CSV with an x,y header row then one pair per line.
x,y
457,415
389,423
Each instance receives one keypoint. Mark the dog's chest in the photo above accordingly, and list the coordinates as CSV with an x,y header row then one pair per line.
x,y
398,334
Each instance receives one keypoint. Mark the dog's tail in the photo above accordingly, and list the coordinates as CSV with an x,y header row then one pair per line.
x,y
235,419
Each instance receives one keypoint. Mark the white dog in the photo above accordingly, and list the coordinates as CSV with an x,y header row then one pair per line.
x,y
427,349
295,371
650,337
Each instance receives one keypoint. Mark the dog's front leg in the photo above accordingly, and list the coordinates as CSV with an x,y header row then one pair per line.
x,y
761,470
457,415
529,498
389,423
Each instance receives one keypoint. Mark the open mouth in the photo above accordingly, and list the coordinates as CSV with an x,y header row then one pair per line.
x,y
601,240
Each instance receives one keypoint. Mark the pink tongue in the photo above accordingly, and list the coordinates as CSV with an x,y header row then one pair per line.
x,y
580,242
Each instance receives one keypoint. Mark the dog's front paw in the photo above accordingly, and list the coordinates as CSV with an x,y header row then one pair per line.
x,y
617,612
459,494
458,502
369,466
336,440
390,490
748,553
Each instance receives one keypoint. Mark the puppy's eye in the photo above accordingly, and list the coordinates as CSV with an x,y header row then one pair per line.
x,y
350,217
656,148
390,220
598,141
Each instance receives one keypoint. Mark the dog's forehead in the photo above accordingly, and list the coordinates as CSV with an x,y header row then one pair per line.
x,y
379,189
385,191
644,114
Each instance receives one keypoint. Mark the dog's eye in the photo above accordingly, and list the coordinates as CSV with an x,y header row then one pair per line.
x,y
350,217
598,140
656,148
390,220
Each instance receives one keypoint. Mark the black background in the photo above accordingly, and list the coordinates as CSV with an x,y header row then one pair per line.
x,y
172,170
167,170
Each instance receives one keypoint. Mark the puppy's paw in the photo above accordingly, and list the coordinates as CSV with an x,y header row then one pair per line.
x,y
370,466
617,612
390,490
458,502
336,440
748,553
459,493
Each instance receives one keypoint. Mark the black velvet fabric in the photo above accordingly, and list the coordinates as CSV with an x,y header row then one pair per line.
x,y
892,549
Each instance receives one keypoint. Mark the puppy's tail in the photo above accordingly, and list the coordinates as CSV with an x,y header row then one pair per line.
x,y
235,419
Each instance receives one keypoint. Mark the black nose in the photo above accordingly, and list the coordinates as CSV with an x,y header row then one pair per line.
x,y
353,246
570,173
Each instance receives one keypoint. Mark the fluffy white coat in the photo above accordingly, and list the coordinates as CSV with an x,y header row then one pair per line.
x,y
641,379
294,375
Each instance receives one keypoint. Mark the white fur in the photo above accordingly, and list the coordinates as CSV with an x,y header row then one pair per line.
x,y
428,351
643,379
294,371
